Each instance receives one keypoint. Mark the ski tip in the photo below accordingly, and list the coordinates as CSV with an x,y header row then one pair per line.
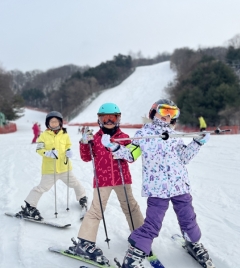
x,y
176,236
54,249
11,214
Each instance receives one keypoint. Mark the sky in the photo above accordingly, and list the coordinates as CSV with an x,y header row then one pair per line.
x,y
48,34
214,175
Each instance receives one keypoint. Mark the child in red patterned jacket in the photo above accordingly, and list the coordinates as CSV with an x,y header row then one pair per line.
x,y
107,177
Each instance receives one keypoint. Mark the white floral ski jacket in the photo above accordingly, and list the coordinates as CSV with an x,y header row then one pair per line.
x,y
164,173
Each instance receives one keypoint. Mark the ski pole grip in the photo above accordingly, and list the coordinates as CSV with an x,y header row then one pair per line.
x,y
165,136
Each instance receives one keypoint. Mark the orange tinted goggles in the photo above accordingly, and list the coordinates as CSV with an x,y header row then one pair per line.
x,y
109,117
165,110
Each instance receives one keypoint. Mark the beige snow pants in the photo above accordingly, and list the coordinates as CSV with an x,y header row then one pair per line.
x,y
89,228
47,182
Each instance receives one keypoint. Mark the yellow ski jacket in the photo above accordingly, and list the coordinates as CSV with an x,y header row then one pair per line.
x,y
47,141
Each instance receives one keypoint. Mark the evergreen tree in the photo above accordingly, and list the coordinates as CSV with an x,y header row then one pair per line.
x,y
207,90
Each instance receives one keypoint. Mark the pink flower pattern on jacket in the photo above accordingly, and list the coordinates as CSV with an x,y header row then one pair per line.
x,y
105,165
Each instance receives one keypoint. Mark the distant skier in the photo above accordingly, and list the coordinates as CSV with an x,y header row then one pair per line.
x,y
202,123
108,179
39,130
53,143
165,178
35,129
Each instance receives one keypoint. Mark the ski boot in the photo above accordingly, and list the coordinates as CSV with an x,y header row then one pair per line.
x,y
88,250
30,213
83,204
133,258
198,252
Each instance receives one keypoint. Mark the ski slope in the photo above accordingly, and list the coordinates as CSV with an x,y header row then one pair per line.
x,y
214,175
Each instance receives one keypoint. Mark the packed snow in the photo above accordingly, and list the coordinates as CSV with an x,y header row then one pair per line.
x,y
214,175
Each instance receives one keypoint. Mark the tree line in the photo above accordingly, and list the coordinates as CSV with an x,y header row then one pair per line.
x,y
10,103
69,88
206,85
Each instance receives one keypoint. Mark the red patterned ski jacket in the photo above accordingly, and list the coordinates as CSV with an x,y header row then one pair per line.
x,y
107,169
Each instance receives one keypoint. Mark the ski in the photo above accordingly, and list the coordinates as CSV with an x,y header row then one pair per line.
x,y
154,261
53,224
178,239
79,258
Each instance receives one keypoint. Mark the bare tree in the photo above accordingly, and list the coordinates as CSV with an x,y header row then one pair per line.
x,y
235,41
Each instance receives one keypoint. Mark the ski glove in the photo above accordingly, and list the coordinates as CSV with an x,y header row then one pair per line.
x,y
52,153
87,135
69,153
107,143
203,139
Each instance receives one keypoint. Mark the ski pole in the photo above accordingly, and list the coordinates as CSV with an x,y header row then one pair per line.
x,y
99,196
68,186
166,135
67,163
123,183
55,186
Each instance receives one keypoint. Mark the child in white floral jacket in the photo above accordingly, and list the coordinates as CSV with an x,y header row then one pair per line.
x,y
165,178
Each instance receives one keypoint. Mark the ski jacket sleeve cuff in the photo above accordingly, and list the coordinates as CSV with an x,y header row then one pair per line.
x,y
135,151
41,148
123,153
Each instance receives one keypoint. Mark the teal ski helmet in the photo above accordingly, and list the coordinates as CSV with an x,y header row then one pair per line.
x,y
109,108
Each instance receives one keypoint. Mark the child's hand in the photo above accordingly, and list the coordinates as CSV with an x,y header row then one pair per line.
x,y
107,143
203,139
87,135
69,153
106,140
51,154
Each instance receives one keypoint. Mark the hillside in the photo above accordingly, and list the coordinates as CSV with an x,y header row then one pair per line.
x,y
134,96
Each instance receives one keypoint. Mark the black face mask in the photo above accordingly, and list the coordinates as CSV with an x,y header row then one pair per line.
x,y
111,131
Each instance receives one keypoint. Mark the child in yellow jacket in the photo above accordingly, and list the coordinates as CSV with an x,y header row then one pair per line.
x,y
54,146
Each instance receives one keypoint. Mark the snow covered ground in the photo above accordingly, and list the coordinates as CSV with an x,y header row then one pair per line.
x,y
214,174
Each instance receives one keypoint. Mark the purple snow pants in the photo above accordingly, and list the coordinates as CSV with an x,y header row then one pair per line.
x,y
142,237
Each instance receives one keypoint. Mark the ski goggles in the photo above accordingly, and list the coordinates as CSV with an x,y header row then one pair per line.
x,y
165,110
113,118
